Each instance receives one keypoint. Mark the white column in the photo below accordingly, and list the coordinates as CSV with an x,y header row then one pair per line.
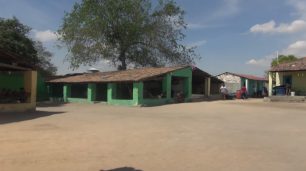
x,y
270,83
247,84
279,78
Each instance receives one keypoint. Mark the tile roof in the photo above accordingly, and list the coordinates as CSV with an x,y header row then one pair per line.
x,y
118,76
251,77
298,65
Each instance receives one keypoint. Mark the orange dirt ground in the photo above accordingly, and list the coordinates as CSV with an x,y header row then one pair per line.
x,y
207,136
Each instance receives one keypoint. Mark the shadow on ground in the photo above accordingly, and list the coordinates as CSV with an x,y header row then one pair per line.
x,y
6,118
123,169
50,104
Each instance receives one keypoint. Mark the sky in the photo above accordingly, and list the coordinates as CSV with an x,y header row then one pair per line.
x,y
240,36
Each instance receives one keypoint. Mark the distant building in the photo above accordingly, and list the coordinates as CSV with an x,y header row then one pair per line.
x,y
234,82
292,74
134,87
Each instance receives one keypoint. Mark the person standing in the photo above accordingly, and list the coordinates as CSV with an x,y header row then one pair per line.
x,y
224,91
244,92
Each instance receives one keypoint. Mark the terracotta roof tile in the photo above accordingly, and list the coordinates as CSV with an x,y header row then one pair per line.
x,y
251,77
118,76
299,65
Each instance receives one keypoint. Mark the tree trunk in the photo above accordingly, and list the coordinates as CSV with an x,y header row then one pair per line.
x,y
122,59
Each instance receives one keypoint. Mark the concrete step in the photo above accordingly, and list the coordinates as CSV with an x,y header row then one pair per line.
x,y
285,99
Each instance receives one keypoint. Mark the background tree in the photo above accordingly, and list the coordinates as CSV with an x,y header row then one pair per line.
x,y
126,32
283,59
14,37
44,60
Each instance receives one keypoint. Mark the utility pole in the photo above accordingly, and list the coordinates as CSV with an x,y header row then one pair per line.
x,y
277,57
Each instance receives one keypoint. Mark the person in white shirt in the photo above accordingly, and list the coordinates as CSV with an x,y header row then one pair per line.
x,y
224,91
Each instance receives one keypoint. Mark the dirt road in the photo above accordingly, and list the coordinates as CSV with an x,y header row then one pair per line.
x,y
213,136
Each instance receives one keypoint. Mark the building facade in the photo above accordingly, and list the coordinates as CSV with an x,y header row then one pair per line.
x,y
292,74
235,82
138,87
18,84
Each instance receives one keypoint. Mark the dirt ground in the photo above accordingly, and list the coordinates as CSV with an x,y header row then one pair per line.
x,y
207,136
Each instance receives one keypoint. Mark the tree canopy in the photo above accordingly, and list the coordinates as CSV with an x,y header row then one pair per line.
x,y
14,37
283,59
126,32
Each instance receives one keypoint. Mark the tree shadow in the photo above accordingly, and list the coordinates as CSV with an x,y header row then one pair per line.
x,y
6,118
123,169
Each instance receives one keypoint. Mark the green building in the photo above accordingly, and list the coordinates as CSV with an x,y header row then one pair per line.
x,y
135,87
18,82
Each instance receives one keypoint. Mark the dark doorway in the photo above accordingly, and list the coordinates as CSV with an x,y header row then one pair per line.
x,y
123,91
177,86
101,92
153,89
79,91
287,79
56,90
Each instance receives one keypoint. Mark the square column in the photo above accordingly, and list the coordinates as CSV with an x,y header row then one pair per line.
x,y
91,92
270,83
279,78
30,85
111,91
138,93
207,86
167,86
66,92
247,85
188,87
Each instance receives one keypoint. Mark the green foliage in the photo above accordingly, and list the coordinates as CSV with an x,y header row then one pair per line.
x,y
14,38
44,57
125,32
283,59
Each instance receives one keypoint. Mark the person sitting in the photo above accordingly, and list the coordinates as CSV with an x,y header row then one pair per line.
x,y
244,92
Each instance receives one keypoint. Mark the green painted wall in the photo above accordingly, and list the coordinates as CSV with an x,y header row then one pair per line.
x,y
137,95
137,91
187,73
66,92
167,86
13,81
91,92
77,100
42,89
251,84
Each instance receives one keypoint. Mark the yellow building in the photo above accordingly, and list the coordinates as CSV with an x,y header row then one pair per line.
x,y
16,95
292,74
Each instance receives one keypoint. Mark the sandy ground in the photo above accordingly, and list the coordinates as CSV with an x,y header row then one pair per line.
x,y
214,136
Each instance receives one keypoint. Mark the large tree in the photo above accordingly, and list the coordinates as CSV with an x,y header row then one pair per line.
x,y
283,59
14,37
126,32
